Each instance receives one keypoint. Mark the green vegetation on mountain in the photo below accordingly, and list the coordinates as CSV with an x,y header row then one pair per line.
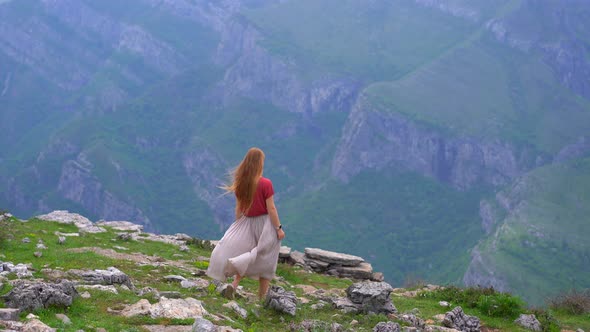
x,y
407,225
540,243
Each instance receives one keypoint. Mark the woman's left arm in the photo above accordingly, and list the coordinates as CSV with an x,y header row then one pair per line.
x,y
274,217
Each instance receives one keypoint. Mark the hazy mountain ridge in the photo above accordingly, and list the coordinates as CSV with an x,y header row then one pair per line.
x,y
177,90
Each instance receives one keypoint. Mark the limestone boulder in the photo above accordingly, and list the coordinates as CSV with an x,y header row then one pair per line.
x,y
457,319
371,297
281,300
37,295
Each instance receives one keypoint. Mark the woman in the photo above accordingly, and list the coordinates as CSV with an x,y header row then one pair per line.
x,y
250,247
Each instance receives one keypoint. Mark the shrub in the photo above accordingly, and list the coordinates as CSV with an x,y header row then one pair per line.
x,y
574,302
467,297
500,305
203,244
548,322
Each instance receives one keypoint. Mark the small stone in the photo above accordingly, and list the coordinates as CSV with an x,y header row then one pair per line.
x,y
65,319
237,309
386,327
195,283
170,294
319,305
37,254
100,329
32,316
174,278
377,276
354,322
124,236
184,248
61,240
335,327
444,304
9,314
227,291
85,295
125,288
37,325
203,325
26,240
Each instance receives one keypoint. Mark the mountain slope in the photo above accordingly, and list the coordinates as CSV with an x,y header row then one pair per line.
x,y
540,244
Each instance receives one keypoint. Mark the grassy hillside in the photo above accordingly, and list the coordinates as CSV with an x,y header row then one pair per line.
x,y
490,91
381,40
541,244
148,262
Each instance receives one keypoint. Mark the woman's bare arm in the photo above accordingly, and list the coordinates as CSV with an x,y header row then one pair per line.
x,y
274,217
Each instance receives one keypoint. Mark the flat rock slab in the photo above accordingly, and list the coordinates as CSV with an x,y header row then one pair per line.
x,y
121,225
65,217
166,308
284,252
110,276
167,328
333,257
363,271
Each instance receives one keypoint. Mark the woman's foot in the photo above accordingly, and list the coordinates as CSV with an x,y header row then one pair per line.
x,y
236,281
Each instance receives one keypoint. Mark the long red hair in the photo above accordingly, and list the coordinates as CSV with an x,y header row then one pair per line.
x,y
245,179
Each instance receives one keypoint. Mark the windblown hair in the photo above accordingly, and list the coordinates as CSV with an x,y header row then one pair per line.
x,y
245,179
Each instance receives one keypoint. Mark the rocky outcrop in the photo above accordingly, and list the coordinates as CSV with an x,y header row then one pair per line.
x,y
457,319
374,140
38,295
201,167
257,74
166,308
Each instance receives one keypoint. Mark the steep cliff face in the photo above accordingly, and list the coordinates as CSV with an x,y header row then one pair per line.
x,y
375,139
78,184
256,74
205,168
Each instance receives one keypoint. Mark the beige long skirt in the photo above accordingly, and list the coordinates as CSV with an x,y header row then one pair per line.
x,y
249,247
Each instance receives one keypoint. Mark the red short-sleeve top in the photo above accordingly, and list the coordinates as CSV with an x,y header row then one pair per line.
x,y
264,190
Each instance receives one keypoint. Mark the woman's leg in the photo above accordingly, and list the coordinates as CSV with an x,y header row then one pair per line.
x,y
236,281
263,287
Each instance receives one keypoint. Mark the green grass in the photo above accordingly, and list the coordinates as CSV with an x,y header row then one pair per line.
x,y
93,312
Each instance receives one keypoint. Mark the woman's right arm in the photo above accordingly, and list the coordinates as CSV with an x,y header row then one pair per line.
x,y
274,217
